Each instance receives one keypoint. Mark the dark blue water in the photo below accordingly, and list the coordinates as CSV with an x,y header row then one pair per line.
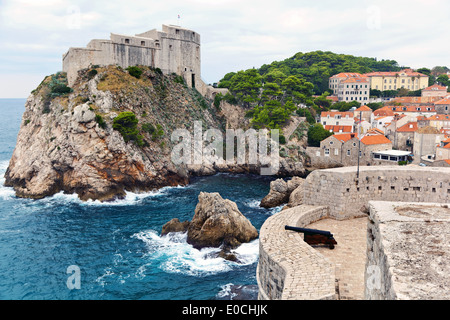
x,y
117,246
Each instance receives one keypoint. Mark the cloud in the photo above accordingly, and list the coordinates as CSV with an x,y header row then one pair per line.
x,y
235,34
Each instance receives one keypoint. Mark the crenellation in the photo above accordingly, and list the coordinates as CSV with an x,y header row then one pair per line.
x,y
173,50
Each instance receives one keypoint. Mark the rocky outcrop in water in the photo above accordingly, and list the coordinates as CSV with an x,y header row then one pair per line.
x,y
217,222
280,191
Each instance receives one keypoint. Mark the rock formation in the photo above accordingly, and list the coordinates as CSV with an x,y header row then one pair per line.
x,y
217,222
295,198
67,141
280,192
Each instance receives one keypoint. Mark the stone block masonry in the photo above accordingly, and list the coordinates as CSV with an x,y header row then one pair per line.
x,y
173,50
407,238
407,251
347,196
288,268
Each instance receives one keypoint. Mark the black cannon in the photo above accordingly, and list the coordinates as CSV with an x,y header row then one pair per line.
x,y
313,236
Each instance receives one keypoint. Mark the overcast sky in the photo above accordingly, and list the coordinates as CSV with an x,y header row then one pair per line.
x,y
235,34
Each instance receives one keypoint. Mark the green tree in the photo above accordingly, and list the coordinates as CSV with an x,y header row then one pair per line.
x,y
226,80
317,133
443,80
126,123
245,86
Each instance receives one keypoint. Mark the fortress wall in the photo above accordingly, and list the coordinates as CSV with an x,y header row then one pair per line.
x,y
175,50
288,268
407,251
348,197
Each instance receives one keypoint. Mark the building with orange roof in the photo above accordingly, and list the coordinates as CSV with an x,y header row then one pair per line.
x,y
383,112
443,150
350,87
338,120
380,122
342,150
406,78
435,91
403,138
416,101
438,121
364,113
376,139
339,129
443,106
354,89
334,81
426,140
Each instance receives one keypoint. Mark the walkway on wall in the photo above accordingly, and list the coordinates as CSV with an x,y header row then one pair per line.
x,y
349,256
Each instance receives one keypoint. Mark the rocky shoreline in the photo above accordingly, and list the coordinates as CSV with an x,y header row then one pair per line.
x,y
67,141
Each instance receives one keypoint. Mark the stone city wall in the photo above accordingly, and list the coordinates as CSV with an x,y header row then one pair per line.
x,y
288,268
347,196
407,251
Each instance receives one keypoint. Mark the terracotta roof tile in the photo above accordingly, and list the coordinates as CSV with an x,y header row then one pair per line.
x,y
409,127
344,137
339,128
376,139
363,108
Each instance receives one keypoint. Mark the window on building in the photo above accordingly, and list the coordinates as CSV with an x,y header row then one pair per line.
x,y
336,152
348,152
327,152
127,41
142,43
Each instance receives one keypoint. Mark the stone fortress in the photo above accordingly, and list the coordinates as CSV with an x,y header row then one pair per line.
x,y
173,50
396,218
405,240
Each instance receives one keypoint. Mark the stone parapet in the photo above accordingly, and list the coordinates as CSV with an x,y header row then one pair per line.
x,y
407,251
347,196
288,268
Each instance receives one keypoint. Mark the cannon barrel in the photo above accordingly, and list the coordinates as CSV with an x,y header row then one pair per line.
x,y
309,231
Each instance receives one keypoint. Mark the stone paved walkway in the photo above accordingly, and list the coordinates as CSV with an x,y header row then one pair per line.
x,y
349,255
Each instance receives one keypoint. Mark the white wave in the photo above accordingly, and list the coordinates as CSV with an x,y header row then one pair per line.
x,y
226,291
3,166
253,203
275,210
247,253
6,193
174,255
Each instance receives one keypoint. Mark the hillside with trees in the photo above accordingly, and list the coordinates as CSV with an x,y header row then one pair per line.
x,y
272,93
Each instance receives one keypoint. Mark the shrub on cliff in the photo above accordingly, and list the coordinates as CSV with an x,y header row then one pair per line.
x,y
126,123
135,71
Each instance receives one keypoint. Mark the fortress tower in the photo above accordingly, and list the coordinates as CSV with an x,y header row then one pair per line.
x,y
173,50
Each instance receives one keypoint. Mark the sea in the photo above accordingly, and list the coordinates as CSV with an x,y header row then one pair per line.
x,y
61,248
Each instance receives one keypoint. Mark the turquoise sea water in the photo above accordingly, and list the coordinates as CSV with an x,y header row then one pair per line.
x,y
117,246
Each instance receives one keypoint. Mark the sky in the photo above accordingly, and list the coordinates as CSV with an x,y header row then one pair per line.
x,y
235,34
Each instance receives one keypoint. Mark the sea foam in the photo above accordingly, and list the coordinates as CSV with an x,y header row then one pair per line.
x,y
173,254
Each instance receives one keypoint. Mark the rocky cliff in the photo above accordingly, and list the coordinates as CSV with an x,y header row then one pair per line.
x,y
70,139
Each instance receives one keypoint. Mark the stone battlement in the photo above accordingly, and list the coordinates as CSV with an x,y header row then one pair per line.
x,y
173,50
347,196
289,268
